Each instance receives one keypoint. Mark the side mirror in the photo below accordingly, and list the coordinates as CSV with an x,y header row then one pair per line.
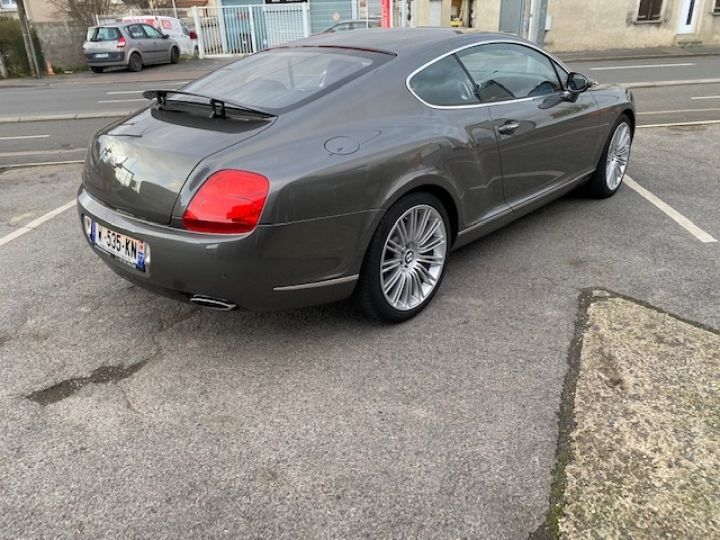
x,y
165,36
577,83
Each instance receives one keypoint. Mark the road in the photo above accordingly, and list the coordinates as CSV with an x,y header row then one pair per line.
x,y
126,414
65,140
657,69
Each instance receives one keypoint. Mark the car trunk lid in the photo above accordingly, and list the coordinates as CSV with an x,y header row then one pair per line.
x,y
140,165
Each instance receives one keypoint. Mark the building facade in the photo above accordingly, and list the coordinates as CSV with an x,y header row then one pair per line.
x,y
573,25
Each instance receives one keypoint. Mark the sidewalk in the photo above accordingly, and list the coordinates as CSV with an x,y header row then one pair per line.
x,y
637,54
183,71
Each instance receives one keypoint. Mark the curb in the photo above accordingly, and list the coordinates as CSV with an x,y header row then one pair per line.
x,y
69,116
657,84
648,56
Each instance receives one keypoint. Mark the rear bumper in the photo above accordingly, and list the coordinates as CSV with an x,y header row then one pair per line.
x,y
113,59
275,267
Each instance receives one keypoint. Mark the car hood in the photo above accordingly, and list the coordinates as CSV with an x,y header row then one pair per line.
x,y
140,164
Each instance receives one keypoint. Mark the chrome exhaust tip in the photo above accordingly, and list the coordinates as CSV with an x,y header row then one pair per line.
x,y
216,304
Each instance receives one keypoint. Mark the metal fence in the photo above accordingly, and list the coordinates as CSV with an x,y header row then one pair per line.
x,y
232,30
245,29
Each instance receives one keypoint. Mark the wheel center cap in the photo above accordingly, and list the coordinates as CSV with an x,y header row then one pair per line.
x,y
409,256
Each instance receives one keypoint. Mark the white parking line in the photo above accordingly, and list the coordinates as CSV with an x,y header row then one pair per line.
x,y
40,164
641,66
124,92
706,97
681,111
672,124
18,137
120,100
35,152
34,224
669,211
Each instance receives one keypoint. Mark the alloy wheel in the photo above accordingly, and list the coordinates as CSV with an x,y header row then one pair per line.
x,y
413,257
618,155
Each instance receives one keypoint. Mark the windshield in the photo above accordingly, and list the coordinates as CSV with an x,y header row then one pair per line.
x,y
282,78
102,33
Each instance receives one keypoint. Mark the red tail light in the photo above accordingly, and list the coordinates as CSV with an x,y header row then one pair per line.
x,y
229,202
193,35
121,42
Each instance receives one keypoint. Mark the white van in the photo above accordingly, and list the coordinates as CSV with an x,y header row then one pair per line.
x,y
175,28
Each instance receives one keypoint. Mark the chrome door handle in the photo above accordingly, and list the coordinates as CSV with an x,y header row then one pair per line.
x,y
508,128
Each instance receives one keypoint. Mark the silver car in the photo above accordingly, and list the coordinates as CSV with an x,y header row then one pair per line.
x,y
130,45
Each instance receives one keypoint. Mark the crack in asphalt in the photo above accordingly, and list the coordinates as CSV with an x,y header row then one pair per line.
x,y
108,374
66,388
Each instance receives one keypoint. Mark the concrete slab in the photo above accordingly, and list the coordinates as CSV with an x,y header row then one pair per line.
x,y
643,450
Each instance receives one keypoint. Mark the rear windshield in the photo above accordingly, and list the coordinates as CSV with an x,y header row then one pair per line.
x,y
103,33
279,79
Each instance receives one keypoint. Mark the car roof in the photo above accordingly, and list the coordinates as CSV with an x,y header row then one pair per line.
x,y
360,20
399,40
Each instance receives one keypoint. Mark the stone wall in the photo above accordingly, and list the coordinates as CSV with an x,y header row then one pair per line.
x,y
62,42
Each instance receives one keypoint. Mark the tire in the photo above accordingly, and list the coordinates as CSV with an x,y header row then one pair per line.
x,y
604,182
96,69
174,55
135,63
420,261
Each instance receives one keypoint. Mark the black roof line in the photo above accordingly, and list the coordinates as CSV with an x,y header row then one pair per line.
x,y
346,47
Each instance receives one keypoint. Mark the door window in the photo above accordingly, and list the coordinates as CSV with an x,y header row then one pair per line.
x,y
151,31
444,83
506,71
136,31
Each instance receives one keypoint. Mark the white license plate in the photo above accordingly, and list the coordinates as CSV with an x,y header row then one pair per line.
x,y
129,250
101,55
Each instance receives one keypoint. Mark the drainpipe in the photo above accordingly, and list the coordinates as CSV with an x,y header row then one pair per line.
x,y
538,14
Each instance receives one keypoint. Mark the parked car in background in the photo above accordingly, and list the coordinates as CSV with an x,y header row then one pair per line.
x,y
130,45
372,22
173,27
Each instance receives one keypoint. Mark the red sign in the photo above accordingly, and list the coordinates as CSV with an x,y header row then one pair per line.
x,y
385,13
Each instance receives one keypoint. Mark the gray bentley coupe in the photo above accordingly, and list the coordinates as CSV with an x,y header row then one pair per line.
x,y
347,163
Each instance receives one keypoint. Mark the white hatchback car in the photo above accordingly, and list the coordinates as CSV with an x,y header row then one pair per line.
x,y
175,28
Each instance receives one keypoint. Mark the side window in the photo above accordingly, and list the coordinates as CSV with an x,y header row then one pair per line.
x,y
444,83
151,31
136,31
649,10
561,72
505,71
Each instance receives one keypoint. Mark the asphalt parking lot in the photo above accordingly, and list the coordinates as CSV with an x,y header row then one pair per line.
x,y
126,414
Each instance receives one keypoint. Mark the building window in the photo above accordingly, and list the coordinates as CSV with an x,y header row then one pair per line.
x,y
717,7
650,10
8,4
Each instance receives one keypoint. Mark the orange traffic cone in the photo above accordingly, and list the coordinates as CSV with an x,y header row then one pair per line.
x,y
48,68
